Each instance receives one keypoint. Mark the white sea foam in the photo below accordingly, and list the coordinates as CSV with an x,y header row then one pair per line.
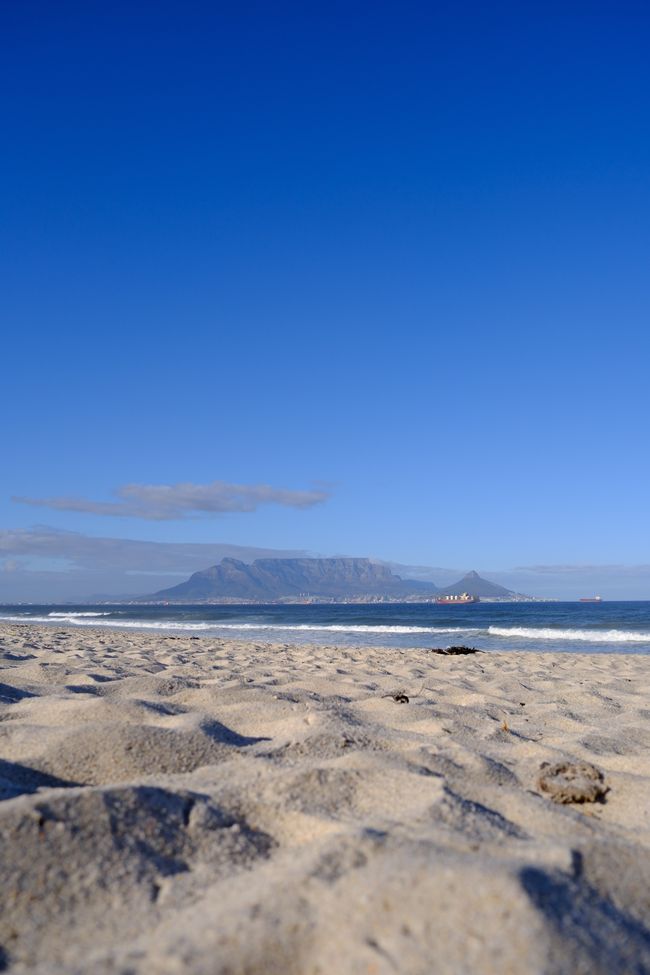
x,y
74,615
342,628
130,624
81,619
215,627
586,636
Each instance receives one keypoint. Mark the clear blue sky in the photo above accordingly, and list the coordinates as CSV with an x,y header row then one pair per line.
x,y
395,254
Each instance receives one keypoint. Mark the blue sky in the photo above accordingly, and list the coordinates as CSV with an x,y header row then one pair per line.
x,y
383,269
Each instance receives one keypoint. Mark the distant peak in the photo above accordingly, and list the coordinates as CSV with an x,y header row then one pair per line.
x,y
275,578
476,585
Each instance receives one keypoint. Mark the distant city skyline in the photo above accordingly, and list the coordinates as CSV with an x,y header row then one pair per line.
x,y
368,281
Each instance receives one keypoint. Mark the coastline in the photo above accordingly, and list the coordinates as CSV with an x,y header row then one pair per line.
x,y
566,627
192,804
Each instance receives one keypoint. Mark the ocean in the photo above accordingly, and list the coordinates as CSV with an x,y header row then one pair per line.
x,y
570,627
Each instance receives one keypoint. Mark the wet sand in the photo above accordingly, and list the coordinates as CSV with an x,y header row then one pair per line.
x,y
183,805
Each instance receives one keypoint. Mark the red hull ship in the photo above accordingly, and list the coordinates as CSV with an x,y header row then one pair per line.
x,y
461,600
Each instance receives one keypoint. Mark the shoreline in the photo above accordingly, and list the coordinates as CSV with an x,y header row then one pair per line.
x,y
177,631
195,804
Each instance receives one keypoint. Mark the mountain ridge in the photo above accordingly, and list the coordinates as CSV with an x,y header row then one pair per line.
x,y
270,579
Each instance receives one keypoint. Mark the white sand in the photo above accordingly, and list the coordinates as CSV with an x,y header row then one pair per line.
x,y
177,805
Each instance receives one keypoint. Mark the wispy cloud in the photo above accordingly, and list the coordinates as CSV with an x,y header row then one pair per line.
x,y
172,502
586,570
46,564
90,552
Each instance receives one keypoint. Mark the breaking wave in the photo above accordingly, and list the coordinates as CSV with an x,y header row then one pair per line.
x,y
351,628
81,619
402,632
586,636
73,615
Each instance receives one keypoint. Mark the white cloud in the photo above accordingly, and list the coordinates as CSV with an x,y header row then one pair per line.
x,y
168,502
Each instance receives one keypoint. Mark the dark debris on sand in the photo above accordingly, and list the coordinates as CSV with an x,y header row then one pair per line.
x,y
454,651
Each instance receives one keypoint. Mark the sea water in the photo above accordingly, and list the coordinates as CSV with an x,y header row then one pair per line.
x,y
559,626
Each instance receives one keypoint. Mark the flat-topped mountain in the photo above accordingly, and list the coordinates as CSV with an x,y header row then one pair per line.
x,y
269,579
475,585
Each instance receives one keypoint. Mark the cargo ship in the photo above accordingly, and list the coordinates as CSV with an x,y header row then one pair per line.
x,y
460,600
591,599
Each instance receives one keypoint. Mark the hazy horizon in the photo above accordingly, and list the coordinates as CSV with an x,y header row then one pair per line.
x,y
105,567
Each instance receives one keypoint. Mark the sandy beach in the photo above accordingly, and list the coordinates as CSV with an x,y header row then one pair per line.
x,y
193,805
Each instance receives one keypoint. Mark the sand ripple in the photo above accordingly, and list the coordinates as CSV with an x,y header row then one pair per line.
x,y
202,806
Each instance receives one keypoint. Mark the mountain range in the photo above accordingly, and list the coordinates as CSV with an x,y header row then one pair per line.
x,y
267,580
